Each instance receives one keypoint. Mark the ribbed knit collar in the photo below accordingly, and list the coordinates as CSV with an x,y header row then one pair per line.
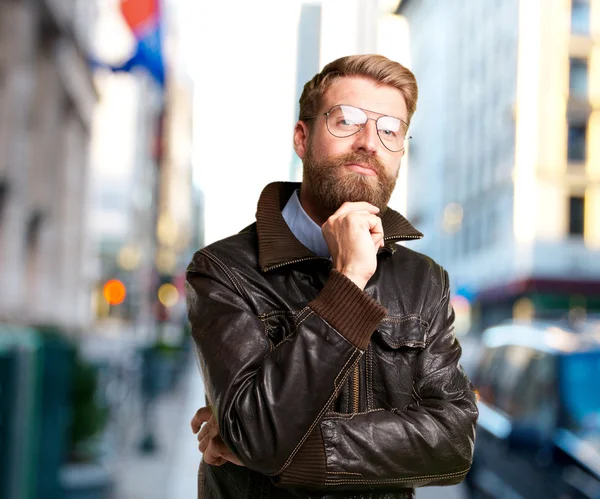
x,y
277,245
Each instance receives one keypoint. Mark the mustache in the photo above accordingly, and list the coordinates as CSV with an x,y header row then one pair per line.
x,y
357,157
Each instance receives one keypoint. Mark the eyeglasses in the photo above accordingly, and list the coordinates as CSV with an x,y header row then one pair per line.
x,y
343,121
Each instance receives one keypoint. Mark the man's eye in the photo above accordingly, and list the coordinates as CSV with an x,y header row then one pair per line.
x,y
347,122
388,133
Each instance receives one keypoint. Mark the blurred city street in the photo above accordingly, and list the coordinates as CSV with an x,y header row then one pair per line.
x,y
134,133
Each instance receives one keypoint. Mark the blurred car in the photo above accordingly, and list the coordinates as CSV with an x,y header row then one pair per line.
x,y
538,433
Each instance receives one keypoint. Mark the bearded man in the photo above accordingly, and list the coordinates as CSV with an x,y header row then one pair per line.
x,y
327,348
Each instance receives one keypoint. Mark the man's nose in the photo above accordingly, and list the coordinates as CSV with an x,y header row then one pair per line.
x,y
367,139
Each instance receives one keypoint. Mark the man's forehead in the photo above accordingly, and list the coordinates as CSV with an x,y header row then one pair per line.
x,y
366,94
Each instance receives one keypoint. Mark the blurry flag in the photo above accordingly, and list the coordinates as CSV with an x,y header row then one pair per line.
x,y
144,18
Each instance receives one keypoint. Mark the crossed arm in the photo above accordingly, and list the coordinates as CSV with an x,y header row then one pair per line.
x,y
255,393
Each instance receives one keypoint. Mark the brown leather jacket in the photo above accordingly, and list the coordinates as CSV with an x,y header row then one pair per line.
x,y
321,389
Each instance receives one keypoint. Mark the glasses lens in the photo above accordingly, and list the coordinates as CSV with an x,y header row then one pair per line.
x,y
344,121
392,132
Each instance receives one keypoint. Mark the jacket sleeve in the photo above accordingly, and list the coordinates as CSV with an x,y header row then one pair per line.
x,y
269,399
427,443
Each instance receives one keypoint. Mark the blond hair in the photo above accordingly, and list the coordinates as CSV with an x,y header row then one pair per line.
x,y
376,67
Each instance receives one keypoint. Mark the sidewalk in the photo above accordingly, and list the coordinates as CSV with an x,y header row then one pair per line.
x,y
170,472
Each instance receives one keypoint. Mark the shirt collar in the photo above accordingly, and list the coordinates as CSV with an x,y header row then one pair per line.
x,y
303,227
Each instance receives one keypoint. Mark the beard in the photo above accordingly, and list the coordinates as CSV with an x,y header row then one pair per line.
x,y
332,184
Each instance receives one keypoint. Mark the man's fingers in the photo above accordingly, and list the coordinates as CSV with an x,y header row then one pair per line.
x,y
224,451
219,446
216,453
360,218
378,240
210,428
209,431
375,226
213,459
202,415
208,448
203,443
357,206
232,458
375,223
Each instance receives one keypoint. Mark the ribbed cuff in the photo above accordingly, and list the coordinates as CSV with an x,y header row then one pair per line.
x,y
309,465
351,311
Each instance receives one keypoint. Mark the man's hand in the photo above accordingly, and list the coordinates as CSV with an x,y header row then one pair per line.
x,y
354,234
209,441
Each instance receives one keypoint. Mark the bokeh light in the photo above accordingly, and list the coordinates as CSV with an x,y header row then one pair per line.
x,y
168,295
114,292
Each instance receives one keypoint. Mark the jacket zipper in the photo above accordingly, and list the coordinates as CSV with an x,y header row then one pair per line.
x,y
356,388
402,238
266,269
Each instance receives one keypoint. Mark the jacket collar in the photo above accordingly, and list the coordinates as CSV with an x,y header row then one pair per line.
x,y
277,245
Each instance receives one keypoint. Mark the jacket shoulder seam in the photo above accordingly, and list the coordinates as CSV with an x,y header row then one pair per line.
x,y
227,271
444,290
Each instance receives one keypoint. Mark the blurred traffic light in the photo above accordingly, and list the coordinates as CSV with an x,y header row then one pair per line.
x,y
114,292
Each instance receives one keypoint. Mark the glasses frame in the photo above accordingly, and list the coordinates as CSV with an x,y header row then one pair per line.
x,y
407,137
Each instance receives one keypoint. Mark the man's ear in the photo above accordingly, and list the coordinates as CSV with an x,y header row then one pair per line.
x,y
301,138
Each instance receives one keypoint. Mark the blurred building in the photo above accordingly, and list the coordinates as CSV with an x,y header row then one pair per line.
x,y
125,147
46,100
179,222
307,63
505,160
142,177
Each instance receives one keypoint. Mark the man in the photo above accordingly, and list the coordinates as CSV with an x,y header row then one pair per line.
x,y
327,349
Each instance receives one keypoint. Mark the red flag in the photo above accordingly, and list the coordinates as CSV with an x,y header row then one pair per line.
x,y
139,14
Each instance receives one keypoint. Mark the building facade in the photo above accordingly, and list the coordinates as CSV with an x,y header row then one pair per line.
x,y
504,168
46,102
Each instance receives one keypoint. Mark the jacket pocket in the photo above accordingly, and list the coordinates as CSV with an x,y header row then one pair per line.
x,y
391,361
279,325
403,331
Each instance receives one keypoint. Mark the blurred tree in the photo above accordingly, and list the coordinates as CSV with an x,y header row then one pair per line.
x,y
89,416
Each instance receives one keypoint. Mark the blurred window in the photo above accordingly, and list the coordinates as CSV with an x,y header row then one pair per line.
x,y
499,371
576,215
112,200
488,372
3,196
535,399
578,76
32,239
512,375
580,394
466,238
478,233
580,17
576,142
